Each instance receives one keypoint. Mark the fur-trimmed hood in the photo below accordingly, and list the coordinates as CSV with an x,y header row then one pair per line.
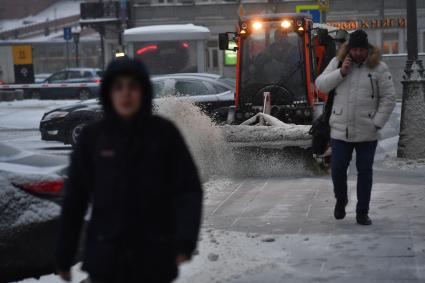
x,y
372,60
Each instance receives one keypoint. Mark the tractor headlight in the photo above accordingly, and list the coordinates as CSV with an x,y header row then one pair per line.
x,y
55,115
257,25
286,24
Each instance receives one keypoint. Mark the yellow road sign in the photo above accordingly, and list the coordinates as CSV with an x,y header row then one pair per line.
x,y
22,54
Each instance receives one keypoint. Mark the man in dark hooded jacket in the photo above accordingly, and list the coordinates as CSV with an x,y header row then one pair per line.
x,y
139,177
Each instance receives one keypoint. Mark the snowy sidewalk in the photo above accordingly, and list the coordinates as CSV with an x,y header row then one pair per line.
x,y
282,230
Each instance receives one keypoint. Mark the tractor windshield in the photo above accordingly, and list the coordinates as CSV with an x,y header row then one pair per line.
x,y
272,60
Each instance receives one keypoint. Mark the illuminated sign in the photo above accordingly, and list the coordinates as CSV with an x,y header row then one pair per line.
x,y
230,56
371,24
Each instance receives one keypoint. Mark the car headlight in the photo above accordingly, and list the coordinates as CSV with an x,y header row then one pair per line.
x,y
55,115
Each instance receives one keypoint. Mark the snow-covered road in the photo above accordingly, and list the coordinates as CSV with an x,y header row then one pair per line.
x,y
19,122
281,229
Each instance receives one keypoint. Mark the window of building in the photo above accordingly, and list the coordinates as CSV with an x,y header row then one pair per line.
x,y
390,43
212,57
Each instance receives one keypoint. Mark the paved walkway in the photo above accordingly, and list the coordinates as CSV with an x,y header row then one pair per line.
x,y
282,230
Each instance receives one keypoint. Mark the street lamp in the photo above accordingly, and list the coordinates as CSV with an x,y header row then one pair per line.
x,y
412,122
76,38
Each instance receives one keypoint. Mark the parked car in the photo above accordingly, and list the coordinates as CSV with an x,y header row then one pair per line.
x,y
39,78
67,76
214,94
30,193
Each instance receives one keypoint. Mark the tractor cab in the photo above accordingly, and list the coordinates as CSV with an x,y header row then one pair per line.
x,y
278,56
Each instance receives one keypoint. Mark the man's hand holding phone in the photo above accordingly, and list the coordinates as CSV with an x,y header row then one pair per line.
x,y
346,66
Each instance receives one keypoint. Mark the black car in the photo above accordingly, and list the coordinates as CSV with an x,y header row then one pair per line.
x,y
213,93
56,85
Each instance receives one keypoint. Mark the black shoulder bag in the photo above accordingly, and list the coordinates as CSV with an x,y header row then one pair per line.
x,y
320,129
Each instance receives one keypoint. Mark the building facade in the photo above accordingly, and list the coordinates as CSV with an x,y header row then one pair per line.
x,y
384,20
15,9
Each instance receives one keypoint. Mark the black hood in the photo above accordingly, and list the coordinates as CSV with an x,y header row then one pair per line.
x,y
126,67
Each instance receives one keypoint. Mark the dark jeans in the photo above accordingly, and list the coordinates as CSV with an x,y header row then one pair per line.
x,y
341,157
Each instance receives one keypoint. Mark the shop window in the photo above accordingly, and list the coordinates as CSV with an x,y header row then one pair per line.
x,y
390,43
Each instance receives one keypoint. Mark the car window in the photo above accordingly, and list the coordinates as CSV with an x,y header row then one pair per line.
x,y
219,88
229,81
158,89
74,75
87,74
58,77
190,88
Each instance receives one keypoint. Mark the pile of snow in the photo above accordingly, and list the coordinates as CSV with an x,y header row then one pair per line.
x,y
405,164
266,128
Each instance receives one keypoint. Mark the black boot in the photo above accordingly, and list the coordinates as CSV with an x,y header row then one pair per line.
x,y
363,219
339,211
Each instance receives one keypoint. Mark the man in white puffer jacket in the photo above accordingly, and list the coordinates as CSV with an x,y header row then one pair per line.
x,y
364,100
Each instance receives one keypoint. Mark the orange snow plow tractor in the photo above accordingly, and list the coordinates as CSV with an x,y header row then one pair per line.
x,y
279,57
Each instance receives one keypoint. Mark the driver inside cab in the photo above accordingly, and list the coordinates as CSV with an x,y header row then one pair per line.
x,y
273,63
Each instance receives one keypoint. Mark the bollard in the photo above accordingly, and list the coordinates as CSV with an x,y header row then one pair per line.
x,y
412,124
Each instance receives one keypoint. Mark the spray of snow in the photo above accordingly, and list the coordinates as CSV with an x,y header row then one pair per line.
x,y
205,140
239,150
